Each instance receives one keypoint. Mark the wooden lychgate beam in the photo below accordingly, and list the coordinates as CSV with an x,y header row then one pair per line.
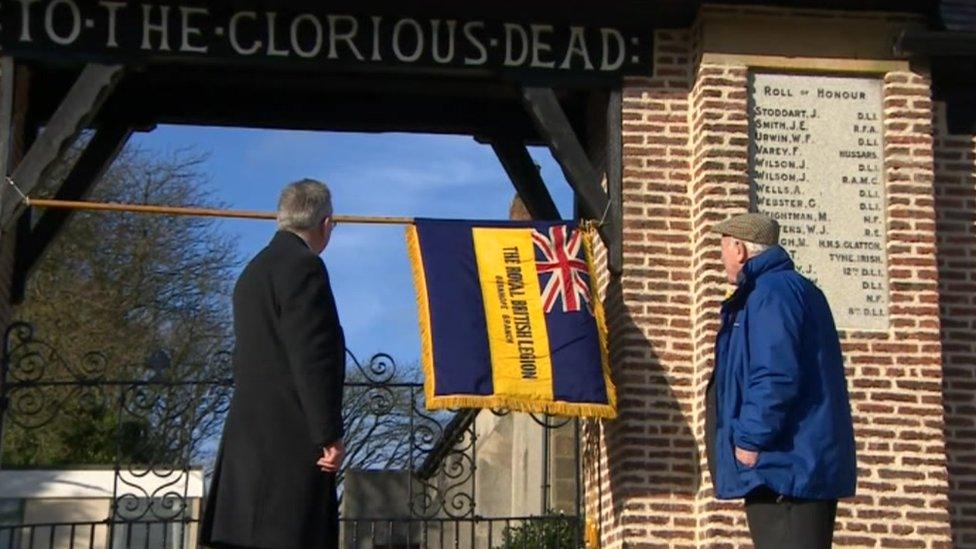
x,y
7,78
614,168
79,106
525,176
99,153
554,127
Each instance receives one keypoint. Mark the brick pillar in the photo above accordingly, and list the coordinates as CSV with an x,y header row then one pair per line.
x,y
894,375
719,189
686,143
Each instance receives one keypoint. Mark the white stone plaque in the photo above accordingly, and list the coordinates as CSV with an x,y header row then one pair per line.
x,y
817,166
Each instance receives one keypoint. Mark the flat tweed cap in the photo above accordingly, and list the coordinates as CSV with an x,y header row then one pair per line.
x,y
751,227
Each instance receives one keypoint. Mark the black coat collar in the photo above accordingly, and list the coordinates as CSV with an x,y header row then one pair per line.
x,y
289,238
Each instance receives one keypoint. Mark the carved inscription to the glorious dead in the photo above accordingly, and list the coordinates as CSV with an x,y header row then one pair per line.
x,y
817,166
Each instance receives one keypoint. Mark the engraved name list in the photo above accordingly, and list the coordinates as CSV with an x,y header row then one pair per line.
x,y
816,165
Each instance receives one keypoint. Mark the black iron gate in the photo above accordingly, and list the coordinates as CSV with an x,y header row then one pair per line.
x,y
147,431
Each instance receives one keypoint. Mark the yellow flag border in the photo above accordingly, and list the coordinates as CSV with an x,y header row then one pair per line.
x,y
601,322
556,407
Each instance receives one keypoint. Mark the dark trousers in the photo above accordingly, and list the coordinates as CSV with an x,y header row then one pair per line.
x,y
777,522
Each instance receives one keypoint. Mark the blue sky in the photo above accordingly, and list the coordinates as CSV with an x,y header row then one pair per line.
x,y
369,174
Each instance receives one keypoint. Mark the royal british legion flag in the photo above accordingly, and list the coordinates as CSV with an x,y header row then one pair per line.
x,y
510,318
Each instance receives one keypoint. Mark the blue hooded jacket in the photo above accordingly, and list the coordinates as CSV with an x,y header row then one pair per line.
x,y
780,388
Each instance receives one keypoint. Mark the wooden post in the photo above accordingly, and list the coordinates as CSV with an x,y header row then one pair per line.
x,y
14,85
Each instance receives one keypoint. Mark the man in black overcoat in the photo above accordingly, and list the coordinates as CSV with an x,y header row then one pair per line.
x,y
274,482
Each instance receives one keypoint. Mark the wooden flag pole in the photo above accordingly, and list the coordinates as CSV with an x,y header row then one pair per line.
x,y
198,212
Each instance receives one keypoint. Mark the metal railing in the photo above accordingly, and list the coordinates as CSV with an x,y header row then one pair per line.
x,y
535,532
155,417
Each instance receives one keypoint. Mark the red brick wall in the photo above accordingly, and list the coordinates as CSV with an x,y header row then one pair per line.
x,y
955,195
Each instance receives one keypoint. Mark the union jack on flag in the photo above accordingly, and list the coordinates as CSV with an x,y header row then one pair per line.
x,y
567,270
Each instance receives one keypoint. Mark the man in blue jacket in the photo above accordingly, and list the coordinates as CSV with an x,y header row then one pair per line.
x,y
778,421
